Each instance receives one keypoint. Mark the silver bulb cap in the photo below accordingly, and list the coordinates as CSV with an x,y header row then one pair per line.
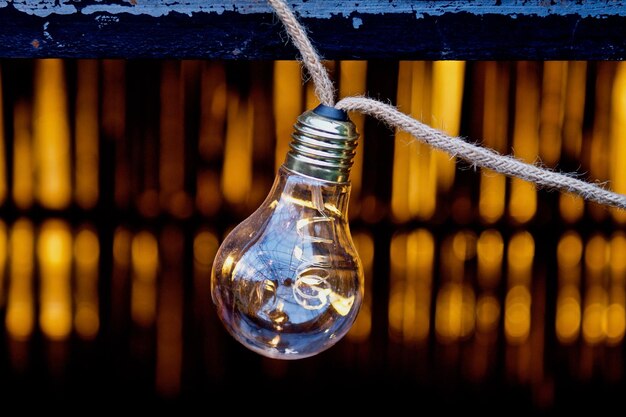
x,y
324,144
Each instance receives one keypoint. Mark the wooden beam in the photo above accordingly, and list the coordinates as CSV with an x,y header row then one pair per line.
x,y
366,29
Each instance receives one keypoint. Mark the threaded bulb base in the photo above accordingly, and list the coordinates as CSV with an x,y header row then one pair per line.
x,y
323,146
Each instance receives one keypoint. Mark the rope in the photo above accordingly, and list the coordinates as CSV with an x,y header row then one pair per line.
x,y
476,155
324,89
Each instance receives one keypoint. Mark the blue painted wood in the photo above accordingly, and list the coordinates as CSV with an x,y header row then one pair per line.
x,y
368,29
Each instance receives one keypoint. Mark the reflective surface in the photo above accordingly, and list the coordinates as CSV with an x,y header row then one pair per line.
x,y
287,281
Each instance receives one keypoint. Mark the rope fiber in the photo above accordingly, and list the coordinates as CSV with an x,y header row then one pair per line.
x,y
476,155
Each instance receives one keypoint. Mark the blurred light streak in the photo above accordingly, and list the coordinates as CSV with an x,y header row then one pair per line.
x,y
20,312
87,257
447,98
287,100
54,252
523,197
568,309
617,149
552,110
51,134
87,168
237,169
23,168
518,301
145,263
596,297
495,134
3,161
169,352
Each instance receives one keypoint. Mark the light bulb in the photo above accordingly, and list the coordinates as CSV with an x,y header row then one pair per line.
x,y
287,282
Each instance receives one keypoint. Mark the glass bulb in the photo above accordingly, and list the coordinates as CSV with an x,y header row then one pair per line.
x,y
287,282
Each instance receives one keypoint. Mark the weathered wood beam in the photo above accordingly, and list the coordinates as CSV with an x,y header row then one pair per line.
x,y
366,29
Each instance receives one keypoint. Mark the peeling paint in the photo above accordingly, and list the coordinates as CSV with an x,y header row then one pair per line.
x,y
357,22
322,9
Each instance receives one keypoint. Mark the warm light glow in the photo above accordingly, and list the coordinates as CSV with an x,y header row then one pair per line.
x,y
574,108
618,260
23,170
352,79
571,207
287,104
490,251
414,188
145,262
172,194
205,247
568,314
520,255
464,245
552,110
3,163
237,169
523,201
594,318
569,250
51,135
615,323
495,134
487,313
617,152
517,314
447,97
87,134
20,313
596,257
3,261
54,253
455,312
87,255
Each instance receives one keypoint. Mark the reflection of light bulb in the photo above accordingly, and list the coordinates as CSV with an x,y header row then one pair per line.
x,y
287,282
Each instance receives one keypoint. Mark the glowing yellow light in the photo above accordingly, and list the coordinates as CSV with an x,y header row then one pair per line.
x,y
571,207
54,251
352,79
596,254
523,202
51,135
20,312
23,170
87,255
3,260
618,147
487,313
618,260
552,110
490,250
569,250
447,90
615,323
237,169
574,108
594,323
145,261
86,178
521,252
3,167
455,312
464,245
205,246
568,315
517,314
287,107
341,304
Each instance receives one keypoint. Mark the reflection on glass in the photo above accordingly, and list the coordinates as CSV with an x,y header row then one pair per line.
x,y
145,262
360,330
86,255
20,315
54,252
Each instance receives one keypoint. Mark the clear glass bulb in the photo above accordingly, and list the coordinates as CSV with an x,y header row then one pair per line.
x,y
287,282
